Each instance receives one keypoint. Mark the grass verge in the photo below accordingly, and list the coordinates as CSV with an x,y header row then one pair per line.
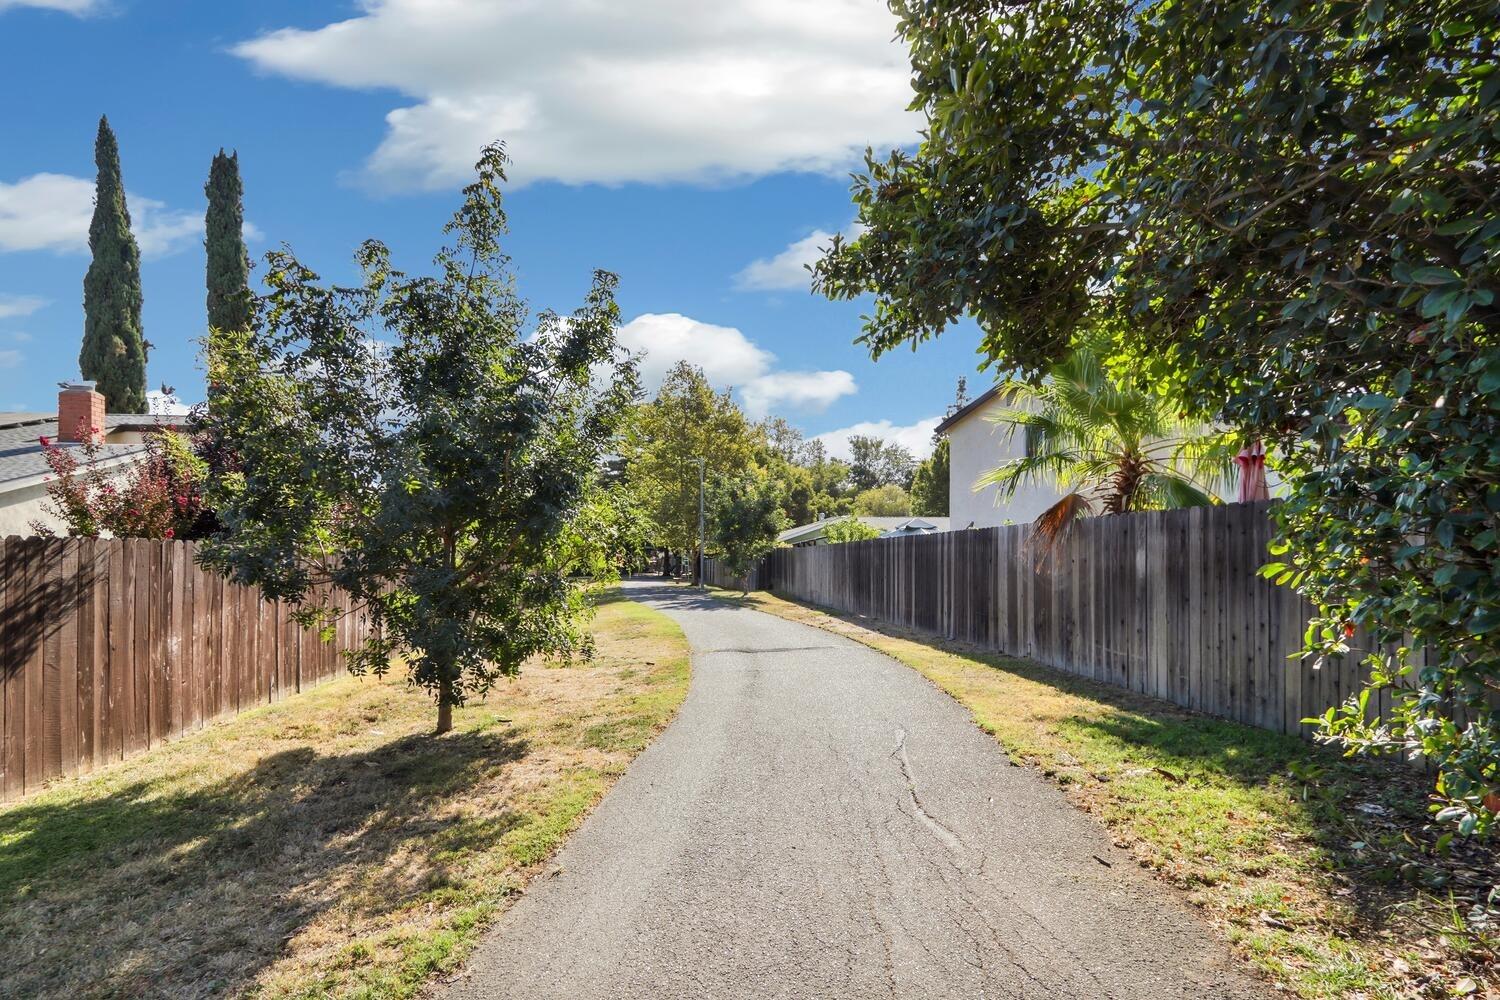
x,y
327,846
1317,868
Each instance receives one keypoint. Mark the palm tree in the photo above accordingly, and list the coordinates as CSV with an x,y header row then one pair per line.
x,y
1111,446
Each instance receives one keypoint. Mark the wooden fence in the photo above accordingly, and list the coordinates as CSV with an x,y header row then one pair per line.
x,y
111,646
1166,603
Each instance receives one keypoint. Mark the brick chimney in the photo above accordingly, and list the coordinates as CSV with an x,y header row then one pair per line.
x,y
79,408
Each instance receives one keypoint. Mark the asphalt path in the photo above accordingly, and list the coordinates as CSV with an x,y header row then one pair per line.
x,y
820,821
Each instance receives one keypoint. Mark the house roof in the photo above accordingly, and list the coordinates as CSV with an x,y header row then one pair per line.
x,y
23,461
963,412
908,524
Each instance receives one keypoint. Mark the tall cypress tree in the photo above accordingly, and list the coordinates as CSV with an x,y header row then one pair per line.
x,y
114,351
228,261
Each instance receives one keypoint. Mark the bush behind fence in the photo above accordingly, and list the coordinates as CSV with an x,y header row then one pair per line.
x,y
1167,604
109,647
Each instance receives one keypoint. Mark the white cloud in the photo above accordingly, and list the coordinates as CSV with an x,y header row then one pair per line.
x,y
21,337
787,271
52,212
589,92
68,6
916,438
19,305
9,359
725,354
728,358
802,390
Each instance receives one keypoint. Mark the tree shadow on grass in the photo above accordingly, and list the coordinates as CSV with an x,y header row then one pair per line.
x,y
145,893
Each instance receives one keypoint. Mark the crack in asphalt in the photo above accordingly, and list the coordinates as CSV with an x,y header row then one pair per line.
x,y
945,836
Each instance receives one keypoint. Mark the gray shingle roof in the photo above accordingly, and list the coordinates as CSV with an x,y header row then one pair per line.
x,y
21,456
886,525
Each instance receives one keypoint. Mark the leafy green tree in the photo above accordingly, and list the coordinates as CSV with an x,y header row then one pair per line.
x,y
230,303
413,441
114,350
747,518
849,529
889,500
1294,205
687,423
874,462
929,483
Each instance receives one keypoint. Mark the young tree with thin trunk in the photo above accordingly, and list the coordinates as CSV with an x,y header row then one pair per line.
x,y
229,301
419,443
114,349
747,518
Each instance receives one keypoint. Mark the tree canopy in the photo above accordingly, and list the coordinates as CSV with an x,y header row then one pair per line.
x,y
666,439
746,520
1284,214
114,349
416,441
230,303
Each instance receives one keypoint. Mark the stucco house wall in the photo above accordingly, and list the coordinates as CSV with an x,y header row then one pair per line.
x,y
977,445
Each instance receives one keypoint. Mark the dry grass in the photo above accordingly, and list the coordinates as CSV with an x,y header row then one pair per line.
x,y
327,846
1312,865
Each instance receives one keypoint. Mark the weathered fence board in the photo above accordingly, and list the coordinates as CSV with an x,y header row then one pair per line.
x,y
111,646
1168,604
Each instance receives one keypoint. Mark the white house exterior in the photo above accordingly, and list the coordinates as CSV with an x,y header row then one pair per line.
x,y
976,445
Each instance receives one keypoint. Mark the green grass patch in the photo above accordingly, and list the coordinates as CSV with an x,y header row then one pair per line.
x,y
329,845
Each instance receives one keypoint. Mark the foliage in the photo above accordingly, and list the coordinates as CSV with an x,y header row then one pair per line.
x,y
849,529
1113,447
929,483
158,496
874,462
230,304
113,352
435,477
747,517
889,500
666,439
1294,205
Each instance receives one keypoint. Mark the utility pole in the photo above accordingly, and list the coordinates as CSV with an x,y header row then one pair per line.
x,y
698,568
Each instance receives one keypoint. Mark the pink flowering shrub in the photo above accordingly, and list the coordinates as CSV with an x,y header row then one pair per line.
x,y
160,496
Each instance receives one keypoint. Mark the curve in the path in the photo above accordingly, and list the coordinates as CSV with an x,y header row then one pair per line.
x,y
821,822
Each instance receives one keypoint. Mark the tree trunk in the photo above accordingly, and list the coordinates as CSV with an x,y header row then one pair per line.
x,y
697,567
445,707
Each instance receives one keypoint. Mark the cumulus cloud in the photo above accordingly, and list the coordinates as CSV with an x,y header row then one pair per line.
x,y
916,438
728,358
803,390
19,305
788,270
590,92
67,6
52,212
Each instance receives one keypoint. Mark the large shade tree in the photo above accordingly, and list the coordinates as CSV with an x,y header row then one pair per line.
x,y
1296,206
688,436
416,441
114,349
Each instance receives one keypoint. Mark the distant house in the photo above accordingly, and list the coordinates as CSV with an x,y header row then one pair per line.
x,y
976,445
24,472
889,527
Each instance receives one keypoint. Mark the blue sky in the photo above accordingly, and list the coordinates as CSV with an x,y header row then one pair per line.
x,y
699,151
